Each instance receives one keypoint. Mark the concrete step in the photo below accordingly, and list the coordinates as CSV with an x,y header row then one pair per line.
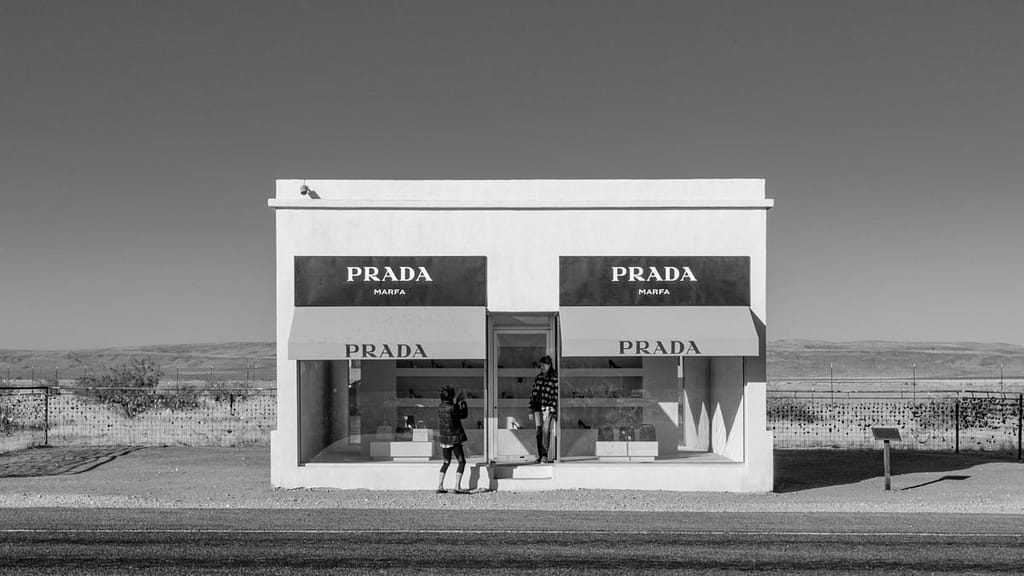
x,y
523,472
524,484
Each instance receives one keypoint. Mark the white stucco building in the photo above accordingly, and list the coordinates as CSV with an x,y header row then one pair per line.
x,y
649,295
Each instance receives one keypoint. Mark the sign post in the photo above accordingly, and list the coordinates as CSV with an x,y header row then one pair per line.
x,y
886,435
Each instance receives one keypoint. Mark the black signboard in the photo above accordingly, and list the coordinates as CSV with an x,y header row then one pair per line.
x,y
390,280
654,281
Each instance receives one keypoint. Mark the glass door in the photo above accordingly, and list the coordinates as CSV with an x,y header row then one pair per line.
x,y
514,355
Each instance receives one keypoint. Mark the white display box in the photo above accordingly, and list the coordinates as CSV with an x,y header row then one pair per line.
x,y
402,451
626,451
643,450
422,435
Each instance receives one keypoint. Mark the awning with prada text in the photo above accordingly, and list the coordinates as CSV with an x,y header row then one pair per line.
x,y
387,332
658,330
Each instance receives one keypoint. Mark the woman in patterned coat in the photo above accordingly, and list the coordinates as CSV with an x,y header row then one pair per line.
x,y
544,406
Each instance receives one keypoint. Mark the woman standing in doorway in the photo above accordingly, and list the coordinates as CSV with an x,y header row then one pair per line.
x,y
451,435
544,406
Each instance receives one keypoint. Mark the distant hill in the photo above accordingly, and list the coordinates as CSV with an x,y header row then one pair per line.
x,y
786,358
869,358
184,356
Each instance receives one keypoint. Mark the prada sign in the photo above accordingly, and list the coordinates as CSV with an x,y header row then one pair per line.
x,y
658,348
390,281
654,281
385,351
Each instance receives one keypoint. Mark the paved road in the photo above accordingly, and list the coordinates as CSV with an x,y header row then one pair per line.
x,y
255,542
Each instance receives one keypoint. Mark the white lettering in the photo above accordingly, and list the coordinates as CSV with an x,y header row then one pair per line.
x,y
388,274
389,291
653,274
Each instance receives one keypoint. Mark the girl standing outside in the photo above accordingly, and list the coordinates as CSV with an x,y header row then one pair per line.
x,y
544,406
451,435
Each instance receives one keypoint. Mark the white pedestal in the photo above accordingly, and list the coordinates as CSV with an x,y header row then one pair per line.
x,y
402,451
626,451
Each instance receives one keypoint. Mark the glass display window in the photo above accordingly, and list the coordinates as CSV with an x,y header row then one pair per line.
x,y
620,408
384,410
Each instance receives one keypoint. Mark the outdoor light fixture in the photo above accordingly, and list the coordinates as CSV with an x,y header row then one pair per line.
x,y
307,191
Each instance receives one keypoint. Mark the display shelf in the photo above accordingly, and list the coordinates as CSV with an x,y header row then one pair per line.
x,y
518,372
420,386
607,402
440,372
432,402
569,373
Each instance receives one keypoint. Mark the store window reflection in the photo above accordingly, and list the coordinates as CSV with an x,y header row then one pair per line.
x,y
383,410
621,408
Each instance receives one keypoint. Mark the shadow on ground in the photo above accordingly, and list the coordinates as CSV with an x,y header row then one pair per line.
x,y
57,461
797,470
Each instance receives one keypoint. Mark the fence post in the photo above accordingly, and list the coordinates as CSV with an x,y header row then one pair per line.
x,y
888,484
831,384
956,424
914,367
1020,421
46,416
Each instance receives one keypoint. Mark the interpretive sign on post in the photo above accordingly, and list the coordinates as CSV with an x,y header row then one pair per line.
x,y
886,435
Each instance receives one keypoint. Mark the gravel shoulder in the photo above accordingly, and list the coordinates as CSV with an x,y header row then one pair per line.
x,y
806,481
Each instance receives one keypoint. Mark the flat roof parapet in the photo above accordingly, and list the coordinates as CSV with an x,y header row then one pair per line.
x,y
522,194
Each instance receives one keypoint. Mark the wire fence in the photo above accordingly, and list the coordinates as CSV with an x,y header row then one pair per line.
x,y
953,422
238,406
34,416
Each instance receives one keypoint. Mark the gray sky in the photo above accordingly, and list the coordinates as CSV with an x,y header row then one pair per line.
x,y
139,142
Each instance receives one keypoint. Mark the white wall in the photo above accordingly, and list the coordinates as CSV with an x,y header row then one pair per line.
x,y
315,403
697,393
727,407
523,246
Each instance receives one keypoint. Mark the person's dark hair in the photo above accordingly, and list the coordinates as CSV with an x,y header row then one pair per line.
x,y
447,394
547,360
